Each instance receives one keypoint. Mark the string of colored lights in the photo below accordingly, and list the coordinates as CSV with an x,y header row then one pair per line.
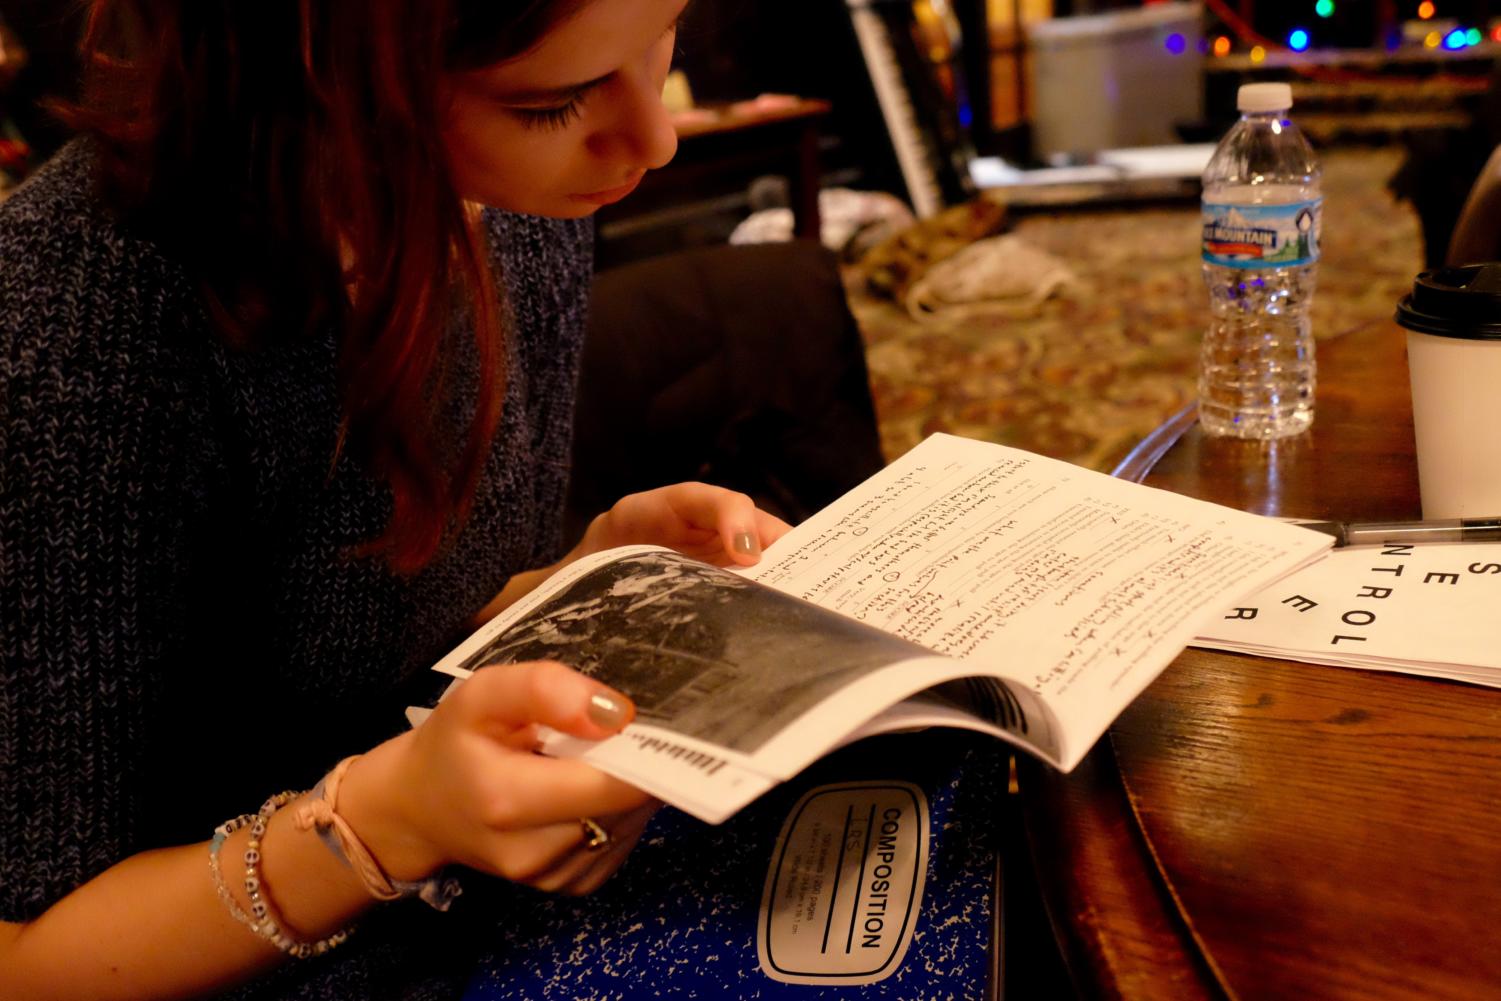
x,y
1299,40
1234,22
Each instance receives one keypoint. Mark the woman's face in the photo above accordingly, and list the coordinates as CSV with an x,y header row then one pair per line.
x,y
574,123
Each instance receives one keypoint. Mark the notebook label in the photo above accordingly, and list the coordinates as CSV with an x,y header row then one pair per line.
x,y
845,883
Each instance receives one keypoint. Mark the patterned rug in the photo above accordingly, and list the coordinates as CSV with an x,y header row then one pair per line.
x,y
1098,366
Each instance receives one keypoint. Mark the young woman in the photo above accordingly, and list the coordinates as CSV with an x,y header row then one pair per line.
x,y
288,343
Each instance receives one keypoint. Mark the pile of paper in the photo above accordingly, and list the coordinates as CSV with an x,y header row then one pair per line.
x,y
1432,610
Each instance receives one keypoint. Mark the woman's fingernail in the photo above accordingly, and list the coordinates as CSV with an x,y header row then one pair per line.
x,y
745,543
609,712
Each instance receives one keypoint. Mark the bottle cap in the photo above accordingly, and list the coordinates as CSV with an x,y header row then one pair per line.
x,y
1255,97
1460,302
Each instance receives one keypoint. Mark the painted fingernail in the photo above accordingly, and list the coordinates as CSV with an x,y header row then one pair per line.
x,y
608,712
745,543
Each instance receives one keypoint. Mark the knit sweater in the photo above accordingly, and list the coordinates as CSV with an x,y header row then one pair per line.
x,y
183,628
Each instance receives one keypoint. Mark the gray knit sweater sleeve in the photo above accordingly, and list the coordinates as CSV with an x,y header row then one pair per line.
x,y
105,468
184,625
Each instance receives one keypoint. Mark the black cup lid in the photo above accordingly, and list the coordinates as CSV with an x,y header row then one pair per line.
x,y
1455,302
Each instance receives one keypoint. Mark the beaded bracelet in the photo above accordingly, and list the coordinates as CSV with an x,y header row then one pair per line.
x,y
262,918
221,834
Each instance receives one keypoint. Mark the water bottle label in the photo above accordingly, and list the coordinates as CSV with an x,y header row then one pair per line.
x,y
1262,236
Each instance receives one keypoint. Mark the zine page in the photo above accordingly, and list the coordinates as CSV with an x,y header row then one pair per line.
x,y
1427,610
1075,587
733,682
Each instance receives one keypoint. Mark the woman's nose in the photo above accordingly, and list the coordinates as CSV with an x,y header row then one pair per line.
x,y
641,130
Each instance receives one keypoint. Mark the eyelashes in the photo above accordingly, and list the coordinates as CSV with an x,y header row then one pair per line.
x,y
551,119
563,115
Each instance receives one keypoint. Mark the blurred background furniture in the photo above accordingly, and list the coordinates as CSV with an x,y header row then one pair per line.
x,y
1113,80
722,149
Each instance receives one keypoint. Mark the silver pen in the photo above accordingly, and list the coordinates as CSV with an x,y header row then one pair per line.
x,y
1375,533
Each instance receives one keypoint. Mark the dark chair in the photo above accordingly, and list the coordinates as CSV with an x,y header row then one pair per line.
x,y
736,365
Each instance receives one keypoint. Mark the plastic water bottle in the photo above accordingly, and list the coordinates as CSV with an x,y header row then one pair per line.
x,y
1261,211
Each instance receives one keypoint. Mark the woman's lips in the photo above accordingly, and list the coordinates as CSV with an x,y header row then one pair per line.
x,y
609,195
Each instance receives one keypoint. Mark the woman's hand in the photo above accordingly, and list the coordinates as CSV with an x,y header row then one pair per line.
x,y
708,523
467,787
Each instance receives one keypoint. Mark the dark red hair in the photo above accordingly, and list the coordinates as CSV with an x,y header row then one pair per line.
x,y
263,142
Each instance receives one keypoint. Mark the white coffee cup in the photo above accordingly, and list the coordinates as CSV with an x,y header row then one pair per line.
x,y
1453,321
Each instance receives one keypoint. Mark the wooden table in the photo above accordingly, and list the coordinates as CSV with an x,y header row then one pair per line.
x,y
1254,828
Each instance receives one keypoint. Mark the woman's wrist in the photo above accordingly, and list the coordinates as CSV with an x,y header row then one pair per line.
x,y
370,801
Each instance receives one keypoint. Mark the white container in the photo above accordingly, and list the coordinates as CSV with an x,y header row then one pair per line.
x,y
1104,81
1456,417
1453,318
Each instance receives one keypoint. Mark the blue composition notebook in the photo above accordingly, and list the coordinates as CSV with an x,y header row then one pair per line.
x,y
871,875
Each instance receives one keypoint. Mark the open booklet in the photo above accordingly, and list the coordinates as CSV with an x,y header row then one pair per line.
x,y
967,584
